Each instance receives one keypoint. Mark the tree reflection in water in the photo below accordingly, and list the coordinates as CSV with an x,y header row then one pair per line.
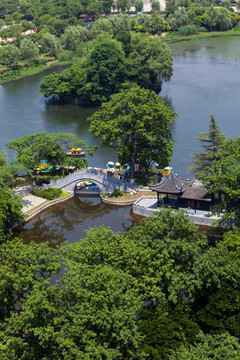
x,y
67,221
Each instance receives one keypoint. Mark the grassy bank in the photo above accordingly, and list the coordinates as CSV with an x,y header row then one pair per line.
x,y
175,37
10,74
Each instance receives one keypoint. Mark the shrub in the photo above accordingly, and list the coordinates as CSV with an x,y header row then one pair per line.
x,y
43,180
188,30
49,194
117,193
203,29
65,55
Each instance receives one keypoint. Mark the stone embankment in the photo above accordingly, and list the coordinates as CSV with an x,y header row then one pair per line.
x,y
32,205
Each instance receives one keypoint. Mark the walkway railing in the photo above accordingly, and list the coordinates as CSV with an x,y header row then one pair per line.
x,y
107,182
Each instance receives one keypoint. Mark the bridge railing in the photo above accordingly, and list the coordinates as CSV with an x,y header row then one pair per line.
x,y
96,174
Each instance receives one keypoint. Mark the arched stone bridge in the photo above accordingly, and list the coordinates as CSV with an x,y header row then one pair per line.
x,y
98,176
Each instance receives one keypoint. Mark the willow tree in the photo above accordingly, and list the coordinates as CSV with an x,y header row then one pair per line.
x,y
135,122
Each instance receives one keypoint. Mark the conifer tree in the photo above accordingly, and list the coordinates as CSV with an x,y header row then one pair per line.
x,y
211,142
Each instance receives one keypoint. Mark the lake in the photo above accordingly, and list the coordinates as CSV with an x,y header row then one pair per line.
x,y
205,82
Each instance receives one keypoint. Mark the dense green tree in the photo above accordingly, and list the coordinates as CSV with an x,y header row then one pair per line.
x,y
28,50
138,5
55,85
7,172
151,61
211,143
123,5
10,212
73,36
106,6
125,38
159,23
178,18
30,150
217,347
155,5
74,8
135,122
223,177
218,18
9,55
105,73
3,158
49,44
166,327
148,293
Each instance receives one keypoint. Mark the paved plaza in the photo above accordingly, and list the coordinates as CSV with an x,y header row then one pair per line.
x,y
29,201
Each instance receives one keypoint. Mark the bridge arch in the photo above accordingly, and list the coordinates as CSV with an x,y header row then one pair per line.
x,y
104,181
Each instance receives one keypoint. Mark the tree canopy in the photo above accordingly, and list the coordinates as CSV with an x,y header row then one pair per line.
x,y
159,290
31,149
223,177
136,123
107,63
211,143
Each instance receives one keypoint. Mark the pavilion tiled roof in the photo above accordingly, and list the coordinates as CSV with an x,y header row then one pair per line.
x,y
196,193
172,184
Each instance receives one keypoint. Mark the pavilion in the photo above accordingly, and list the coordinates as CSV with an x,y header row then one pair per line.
x,y
180,193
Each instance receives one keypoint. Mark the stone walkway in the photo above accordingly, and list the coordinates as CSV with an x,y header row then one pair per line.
x,y
29,201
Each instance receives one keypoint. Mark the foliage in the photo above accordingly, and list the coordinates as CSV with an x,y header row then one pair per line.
x,y
65,55
28,50
30,150
117,193
155,5
166,328
49,194
73,36
217,347
9,55
43,180
104,74
135,122
211,143
151,61
188,30
104,68
49,44
10,212
138,5
223,177
149,293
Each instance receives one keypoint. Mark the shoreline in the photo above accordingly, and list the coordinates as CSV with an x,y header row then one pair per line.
x,y
32,71
174,37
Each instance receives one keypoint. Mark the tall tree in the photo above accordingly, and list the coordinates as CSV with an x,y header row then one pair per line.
x,y
151,61
223,176
135,122
211,143
73,36
105,73
9,55
30,150
10,212
28,50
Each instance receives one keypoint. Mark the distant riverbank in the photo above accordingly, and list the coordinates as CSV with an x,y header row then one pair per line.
x,y
21,73
172,37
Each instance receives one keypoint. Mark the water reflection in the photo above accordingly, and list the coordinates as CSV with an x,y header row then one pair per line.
x,y
67,221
